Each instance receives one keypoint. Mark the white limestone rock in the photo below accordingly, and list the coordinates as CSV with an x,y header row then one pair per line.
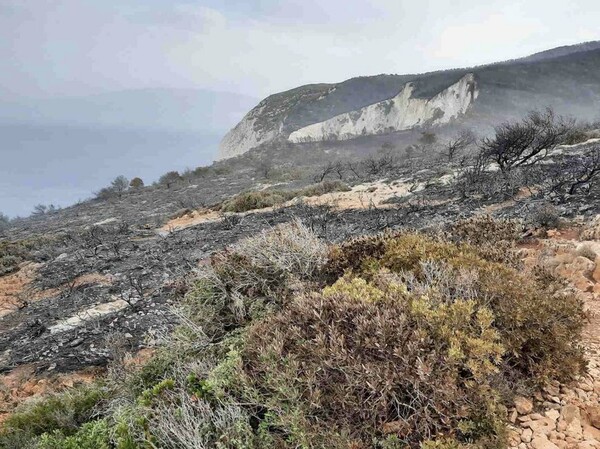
x,y
399,113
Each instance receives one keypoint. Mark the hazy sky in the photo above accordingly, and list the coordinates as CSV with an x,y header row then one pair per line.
x,y
257,47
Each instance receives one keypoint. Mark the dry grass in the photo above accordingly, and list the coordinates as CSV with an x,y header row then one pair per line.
x,y
268,198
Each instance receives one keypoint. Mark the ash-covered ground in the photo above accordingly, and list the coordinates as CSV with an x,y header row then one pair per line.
x,y
116,266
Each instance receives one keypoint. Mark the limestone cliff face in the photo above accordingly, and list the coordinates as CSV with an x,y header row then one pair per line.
x,y
567,79
246,134
399,113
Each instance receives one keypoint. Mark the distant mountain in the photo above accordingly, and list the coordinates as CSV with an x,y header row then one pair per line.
x,y
160,109
566,78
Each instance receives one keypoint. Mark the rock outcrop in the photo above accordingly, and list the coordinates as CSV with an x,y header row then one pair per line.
x,y
396,114
246,135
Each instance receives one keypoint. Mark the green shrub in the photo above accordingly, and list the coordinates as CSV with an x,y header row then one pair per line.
x,y
354,254
13,253
484,230
158,368
151,394
57,416
91,435
539,323
323,188
362,359
495,239
63,412
255,200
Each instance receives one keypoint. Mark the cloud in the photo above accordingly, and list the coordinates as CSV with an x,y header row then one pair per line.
x,y
496,30
257,47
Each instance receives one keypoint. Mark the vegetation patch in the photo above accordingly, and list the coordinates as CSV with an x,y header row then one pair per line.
x,y
55,416
269,198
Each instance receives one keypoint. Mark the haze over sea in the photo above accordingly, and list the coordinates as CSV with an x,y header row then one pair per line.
x,y
62,164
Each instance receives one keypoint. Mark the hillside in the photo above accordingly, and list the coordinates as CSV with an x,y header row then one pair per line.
x,y
206,308
567,79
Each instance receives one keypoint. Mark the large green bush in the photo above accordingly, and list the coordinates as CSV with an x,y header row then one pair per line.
x,y
539,322
363,360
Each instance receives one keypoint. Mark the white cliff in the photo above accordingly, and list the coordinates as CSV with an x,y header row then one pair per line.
x,y
396,114
246,135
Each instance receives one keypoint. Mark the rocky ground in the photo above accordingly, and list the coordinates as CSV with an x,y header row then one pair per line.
x,y
567,416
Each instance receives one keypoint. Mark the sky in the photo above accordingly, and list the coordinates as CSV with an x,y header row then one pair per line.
x,y
56,49
257,47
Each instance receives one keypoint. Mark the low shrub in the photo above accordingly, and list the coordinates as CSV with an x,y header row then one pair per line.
x,y
91,435
13,253
587,251
255,200
184,422
63,413
269,198
323,188
495,239
354,254
253,276
534,318
483,230
546,217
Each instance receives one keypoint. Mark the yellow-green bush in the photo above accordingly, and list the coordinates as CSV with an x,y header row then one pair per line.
x,y
255,200
540,325
342,367
322,188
